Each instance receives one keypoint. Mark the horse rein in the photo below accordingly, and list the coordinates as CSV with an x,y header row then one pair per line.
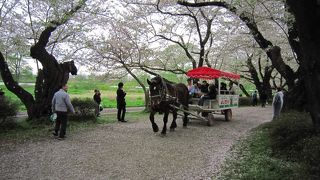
x,y
163,94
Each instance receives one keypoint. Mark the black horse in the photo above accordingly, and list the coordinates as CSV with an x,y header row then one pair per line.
x,y
164,94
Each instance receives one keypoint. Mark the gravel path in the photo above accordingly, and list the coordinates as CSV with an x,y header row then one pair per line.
x,y
131,151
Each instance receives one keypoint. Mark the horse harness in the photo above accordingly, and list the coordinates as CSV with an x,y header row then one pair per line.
x,y
164,95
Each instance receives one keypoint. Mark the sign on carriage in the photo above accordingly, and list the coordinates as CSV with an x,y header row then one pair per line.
x,y
228,101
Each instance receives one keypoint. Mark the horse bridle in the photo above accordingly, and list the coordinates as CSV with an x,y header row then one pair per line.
x,y
163,94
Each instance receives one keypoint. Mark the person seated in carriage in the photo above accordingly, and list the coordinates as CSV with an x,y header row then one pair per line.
x,y
204,87
223,88
194,91
212,94
232,88
189,84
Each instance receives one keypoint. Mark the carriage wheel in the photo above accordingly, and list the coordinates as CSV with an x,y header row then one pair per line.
x,y
228,114
210,119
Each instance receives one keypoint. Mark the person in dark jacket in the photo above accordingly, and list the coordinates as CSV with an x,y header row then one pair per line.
x,y
211,95
263,99
204,87
254,98
97,99
121,103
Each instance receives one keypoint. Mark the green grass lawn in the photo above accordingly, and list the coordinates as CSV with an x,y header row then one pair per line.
x,y
85,89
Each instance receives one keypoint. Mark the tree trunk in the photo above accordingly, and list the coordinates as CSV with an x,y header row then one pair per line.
x,y
13,86
244,90
49,79
307,15
263,86
147,101
274,54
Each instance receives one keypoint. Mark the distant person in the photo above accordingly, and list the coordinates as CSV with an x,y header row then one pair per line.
x,y
277,103
121,103
254,98
97,100
61,104
263,99
204,87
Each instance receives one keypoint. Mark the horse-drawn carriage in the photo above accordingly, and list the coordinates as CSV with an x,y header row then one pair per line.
x,y
224,102
166,96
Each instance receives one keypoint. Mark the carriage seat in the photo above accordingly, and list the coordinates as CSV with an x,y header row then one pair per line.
x,y
207,102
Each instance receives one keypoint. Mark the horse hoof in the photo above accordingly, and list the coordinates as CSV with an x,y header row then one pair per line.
x,y
172,129
155,128
163,134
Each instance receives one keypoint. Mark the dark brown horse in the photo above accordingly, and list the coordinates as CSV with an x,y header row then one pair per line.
x,y
164,94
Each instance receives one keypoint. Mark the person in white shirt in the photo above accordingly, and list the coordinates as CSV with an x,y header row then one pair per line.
x,y
195,91
277,103
232,88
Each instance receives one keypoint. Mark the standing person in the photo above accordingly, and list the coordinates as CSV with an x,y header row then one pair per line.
x,y
277,103
61,104
97,99
263,99
121,103
254,98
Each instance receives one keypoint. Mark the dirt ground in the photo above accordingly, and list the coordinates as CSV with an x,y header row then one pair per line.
x,y
132,151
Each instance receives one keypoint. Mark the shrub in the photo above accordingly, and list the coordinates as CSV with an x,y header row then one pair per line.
x,y
286,148
293,138
8,109
310,155
288,133
244,101
84,108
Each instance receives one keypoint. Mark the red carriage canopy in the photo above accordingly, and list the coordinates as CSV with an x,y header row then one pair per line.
x,y
210,73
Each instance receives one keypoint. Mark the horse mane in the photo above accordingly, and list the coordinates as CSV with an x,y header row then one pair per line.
x,y
168,82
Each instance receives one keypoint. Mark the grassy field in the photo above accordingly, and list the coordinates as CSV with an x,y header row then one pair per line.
x,y
85,89
80,87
